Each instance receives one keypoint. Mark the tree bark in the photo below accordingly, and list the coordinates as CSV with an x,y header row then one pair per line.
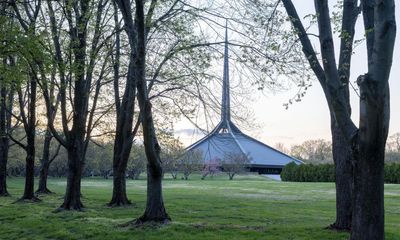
x,y
342,157
45,165
119,197
340,145
124,135
30,130
368,215
72,198
4,140
155,210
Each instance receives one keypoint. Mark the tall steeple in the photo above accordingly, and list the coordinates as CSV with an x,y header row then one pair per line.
x,y
225,108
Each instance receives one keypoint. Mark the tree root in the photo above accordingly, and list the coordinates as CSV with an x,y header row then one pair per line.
x,y
33,199
145,220
114,204
5,194
335,227
43,191
70,207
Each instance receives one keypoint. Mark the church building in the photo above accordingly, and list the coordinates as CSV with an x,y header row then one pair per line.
x,y
226,138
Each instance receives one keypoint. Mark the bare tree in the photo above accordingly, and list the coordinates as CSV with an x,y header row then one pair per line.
x,y
234,163
190,162
313,151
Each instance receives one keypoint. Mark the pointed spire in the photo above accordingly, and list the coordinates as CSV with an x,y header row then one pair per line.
x,y
225,108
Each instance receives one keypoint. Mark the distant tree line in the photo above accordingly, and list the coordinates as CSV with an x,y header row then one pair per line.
x,y
99,161
319,151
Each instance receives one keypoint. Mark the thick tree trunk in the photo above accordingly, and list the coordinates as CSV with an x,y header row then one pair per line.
x,y
119,197
368,215
44,165
29,174
342,157
72,198
155,210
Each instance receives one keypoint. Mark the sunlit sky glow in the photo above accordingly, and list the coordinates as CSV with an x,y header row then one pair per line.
x,y
308,119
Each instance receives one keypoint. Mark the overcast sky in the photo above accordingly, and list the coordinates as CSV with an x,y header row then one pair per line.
x,y
308,119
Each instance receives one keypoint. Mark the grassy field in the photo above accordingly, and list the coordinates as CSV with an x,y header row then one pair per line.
x,y
249,207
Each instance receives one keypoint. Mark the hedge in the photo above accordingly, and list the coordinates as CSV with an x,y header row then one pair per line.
x,y
326,173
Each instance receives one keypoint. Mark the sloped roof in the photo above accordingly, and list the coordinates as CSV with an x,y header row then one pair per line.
x,y
226,138
216,145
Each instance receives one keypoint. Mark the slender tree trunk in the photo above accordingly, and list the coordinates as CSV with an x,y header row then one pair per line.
x,y
342,157
123,140
30,129
3,166
45,164
3,142
155,210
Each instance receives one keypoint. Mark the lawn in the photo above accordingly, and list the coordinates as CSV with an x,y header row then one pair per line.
x,y
249,207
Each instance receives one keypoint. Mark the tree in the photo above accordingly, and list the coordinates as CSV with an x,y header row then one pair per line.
x,y
367,141
340,145
234,163
393,148
136,31
80,80
124,132
137,163
191,161
45,162
155,210
313,151
6,97
211,168
28,49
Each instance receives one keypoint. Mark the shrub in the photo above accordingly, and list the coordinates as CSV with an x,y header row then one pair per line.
x,y
326,173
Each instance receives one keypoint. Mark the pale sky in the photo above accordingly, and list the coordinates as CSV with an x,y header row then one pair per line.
x,y
309,119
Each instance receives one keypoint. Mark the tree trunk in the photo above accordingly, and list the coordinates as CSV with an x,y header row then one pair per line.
x,y
155,210
368,214
3,142
29,174
124,135
342,157
45,164
119,197
123,140
3,165
231,175
30,129
72,198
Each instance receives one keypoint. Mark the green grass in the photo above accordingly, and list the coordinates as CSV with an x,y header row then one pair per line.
x,y
249,207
